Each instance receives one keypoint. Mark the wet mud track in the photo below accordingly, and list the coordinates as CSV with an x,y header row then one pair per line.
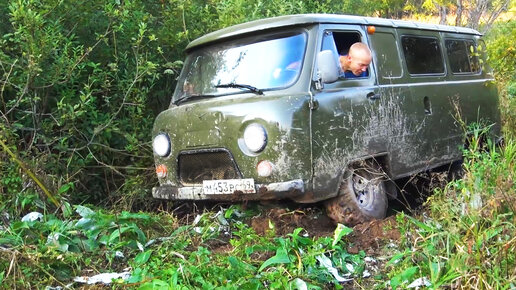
x,y
286,216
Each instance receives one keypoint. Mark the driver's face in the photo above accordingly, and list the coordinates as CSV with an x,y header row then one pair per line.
x,y
359,62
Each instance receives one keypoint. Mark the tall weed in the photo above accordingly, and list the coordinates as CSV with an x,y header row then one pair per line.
x,y
466,238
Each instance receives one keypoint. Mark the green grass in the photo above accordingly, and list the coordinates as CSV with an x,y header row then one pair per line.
x,y
466,237
160,253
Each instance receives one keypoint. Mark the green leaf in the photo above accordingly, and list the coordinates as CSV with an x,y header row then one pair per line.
x,y
129,215
281,257
154,284
137,275
409,273
403,277
142,257
396,258
10,240
340,231
421,225
67,209
84,211
18,225
65,187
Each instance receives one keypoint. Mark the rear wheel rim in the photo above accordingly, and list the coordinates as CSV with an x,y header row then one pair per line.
x,y
364,192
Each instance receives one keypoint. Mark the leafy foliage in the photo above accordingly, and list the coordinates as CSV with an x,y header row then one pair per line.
x,y
468,235
58,249
52,250
502,57
80,86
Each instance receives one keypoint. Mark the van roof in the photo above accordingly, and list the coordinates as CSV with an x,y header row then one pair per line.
x,y
303,19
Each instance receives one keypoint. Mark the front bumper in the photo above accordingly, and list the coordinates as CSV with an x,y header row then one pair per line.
x,y
280,190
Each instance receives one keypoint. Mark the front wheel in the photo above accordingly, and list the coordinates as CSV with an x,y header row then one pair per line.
x,y
362,197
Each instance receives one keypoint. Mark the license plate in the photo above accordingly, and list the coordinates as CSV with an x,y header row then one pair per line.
x,y
228,186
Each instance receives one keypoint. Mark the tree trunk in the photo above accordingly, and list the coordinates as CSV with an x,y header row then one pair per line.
x,y
458,18
496,12
479,7
442,14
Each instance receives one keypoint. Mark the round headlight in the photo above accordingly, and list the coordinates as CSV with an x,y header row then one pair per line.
x,y
161,145
255,137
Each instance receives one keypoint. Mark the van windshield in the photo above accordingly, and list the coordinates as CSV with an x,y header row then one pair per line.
x,y
269,63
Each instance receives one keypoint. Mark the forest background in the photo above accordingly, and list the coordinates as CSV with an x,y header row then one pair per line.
x,y
81,83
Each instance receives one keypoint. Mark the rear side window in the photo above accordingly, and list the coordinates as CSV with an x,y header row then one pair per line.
x,y
423,55
462,56
387,53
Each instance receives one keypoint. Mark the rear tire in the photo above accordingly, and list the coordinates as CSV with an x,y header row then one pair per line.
x,y
362,197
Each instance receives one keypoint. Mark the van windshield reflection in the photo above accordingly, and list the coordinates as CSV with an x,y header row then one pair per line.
x,y
270,63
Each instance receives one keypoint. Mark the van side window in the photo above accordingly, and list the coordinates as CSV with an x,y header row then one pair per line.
x,y
462,56
386,50
339,42
343,40
422,54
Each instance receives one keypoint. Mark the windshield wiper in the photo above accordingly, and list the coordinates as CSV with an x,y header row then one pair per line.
x,y
241,86
191,97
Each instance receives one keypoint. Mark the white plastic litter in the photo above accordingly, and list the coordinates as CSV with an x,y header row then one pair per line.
x,y
104,278
53,239
197,220
299,284
32,216
366,274
140,246
326,263
420,282
350,268
161,239
221,219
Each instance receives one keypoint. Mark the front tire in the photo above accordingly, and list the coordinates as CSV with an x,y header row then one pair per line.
x,y
362,197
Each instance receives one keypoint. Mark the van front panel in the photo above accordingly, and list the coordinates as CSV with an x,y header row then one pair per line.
x,y
230,97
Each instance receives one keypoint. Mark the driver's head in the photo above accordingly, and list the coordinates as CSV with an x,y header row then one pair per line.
x,y
358,58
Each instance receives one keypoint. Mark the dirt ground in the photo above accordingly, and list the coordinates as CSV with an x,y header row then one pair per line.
x,y
286,216
370,237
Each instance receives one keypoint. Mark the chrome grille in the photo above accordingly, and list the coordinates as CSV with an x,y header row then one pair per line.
x,y
194,167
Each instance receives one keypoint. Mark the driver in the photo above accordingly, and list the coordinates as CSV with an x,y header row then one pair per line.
x,y
355,63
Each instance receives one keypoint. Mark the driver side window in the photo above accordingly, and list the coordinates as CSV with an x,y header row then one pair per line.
x,y
339,43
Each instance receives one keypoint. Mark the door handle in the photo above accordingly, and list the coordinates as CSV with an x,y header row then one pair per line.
x,y
373,96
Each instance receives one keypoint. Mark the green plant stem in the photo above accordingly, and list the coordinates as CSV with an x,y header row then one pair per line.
x,y
31,174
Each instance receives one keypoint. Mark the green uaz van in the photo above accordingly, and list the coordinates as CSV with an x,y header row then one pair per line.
x,y
262,111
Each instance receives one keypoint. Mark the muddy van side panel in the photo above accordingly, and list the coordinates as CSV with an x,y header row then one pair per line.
x,y
431,104
473,92
403,115
347,123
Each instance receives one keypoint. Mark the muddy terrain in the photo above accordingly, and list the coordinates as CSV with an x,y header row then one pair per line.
x,y
286,216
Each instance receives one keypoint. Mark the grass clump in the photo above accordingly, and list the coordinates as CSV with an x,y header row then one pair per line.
x,y
466,238
156,251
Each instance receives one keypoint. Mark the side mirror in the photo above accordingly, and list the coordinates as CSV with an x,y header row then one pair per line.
x,y
327,66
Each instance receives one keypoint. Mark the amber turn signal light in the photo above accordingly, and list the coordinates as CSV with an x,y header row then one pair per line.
x,y
161,171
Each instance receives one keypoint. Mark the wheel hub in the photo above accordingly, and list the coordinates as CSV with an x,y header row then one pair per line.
x,y
364,191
